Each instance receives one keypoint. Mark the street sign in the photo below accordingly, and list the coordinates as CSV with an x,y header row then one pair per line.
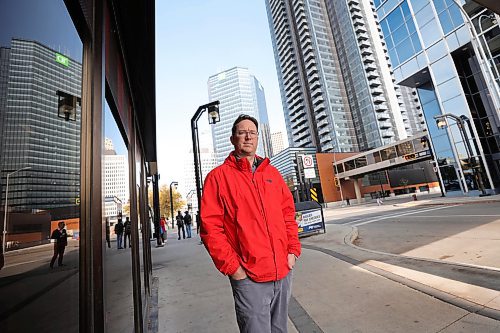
x,y
310,173
307,161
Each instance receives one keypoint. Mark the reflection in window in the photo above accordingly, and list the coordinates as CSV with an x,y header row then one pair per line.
x,y
388,153
404,148
349,165
40,156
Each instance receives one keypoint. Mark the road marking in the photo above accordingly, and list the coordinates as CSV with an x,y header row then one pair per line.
x,y
24,263
387,216
397,215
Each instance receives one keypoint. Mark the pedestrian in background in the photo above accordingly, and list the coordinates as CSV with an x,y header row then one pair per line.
x,y
128,232
198,222
180,225
250,232
188,222
163,229
60,239
119,233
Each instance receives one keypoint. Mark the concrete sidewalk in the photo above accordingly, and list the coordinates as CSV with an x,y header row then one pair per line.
x,y
338,287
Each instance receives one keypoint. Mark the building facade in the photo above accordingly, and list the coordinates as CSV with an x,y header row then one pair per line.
x,y
315,105
433,50
34,135
277,142
239,92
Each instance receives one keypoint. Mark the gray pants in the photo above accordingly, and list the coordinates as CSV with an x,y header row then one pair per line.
x,y
262,307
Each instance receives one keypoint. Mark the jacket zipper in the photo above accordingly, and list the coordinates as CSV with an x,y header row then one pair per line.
x,y
262,211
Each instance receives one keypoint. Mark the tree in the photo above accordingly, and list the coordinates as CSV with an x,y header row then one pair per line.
x,y
165,201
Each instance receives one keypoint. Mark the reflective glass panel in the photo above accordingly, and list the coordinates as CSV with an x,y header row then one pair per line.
x,y
40,121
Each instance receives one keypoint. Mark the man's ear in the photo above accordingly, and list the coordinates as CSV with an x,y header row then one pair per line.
x,y
232,140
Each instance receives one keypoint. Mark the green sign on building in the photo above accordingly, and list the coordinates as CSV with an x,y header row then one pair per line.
x,y
62,59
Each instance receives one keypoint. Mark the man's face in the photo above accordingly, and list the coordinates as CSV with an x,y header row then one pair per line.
x,y
245,139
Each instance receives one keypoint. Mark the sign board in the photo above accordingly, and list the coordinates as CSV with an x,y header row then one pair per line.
x,y
309,217
307,161
310,173
62,59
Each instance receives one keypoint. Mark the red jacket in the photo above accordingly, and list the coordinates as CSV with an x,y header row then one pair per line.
x,y
249,220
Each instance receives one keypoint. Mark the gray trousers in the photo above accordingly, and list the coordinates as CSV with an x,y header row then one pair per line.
x,y
262,307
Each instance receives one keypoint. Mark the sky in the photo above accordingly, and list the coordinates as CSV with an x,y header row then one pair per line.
x,y
196,39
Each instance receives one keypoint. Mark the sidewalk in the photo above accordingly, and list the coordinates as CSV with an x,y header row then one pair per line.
x,y
338,287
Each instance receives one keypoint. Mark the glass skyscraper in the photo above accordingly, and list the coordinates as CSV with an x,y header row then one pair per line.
x,y
239,92
432,50
33,80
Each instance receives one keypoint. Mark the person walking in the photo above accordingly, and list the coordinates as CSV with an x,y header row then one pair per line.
x,y
60,239
119,233
249,230
163,229
188,222
128,232
180,225
198,222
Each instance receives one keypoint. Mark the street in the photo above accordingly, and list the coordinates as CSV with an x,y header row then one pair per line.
x,y
411,268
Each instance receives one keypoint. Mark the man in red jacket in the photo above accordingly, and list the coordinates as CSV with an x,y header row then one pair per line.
x,y
250,232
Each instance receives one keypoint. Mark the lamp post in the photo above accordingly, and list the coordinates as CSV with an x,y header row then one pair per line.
x,y
4,238
213,118
172,202
189,197
493,21
460,121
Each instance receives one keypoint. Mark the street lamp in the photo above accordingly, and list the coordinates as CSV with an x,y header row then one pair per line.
x,y
172,201
460,121
4,239
213,118
493,21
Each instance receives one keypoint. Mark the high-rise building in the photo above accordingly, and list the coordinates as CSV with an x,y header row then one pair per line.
x,y
277,142
116,186
239,92
332,51
432,50
315,105
37,86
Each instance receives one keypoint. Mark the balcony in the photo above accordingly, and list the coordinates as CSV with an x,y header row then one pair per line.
x,y
380,108
377,91
386,134
378,99
359,28
358,22
368,59
384,125
382,116
354,8
370,67
362,36
375,83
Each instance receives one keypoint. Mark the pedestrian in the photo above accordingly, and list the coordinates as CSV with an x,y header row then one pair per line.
x,y
379,200
180,225
188,222
128,232
250,232
60,239
163,229
108,232
119,233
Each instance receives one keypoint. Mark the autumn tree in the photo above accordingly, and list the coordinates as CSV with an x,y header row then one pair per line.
x,y
165,201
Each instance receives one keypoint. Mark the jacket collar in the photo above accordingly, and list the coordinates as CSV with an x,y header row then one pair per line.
x,y
243,164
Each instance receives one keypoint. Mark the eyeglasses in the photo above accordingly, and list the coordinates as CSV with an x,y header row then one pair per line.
x,y
251,134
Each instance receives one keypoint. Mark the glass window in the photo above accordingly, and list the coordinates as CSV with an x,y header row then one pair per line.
x,y
430,33
40,154
388,153
376,156
437,51
395,19
360,162
446,22
404,148
456,15
349,165
443,70
424,16
405,50
417,5
449,89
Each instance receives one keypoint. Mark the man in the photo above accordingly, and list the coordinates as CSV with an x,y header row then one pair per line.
x,y
180,225
128,232
188,221
119,233
60,239
250,232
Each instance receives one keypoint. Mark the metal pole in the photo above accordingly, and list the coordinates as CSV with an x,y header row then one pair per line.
x,y
4,238
491,62
336,172
171,205
156,209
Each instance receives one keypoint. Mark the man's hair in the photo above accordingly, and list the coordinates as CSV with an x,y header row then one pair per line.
x,y
242,117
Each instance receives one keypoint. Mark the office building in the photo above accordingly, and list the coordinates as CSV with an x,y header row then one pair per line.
x,y
239,92
35,83
277,142
432,50
116,186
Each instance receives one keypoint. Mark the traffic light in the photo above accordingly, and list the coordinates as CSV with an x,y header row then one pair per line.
x,y
336,181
